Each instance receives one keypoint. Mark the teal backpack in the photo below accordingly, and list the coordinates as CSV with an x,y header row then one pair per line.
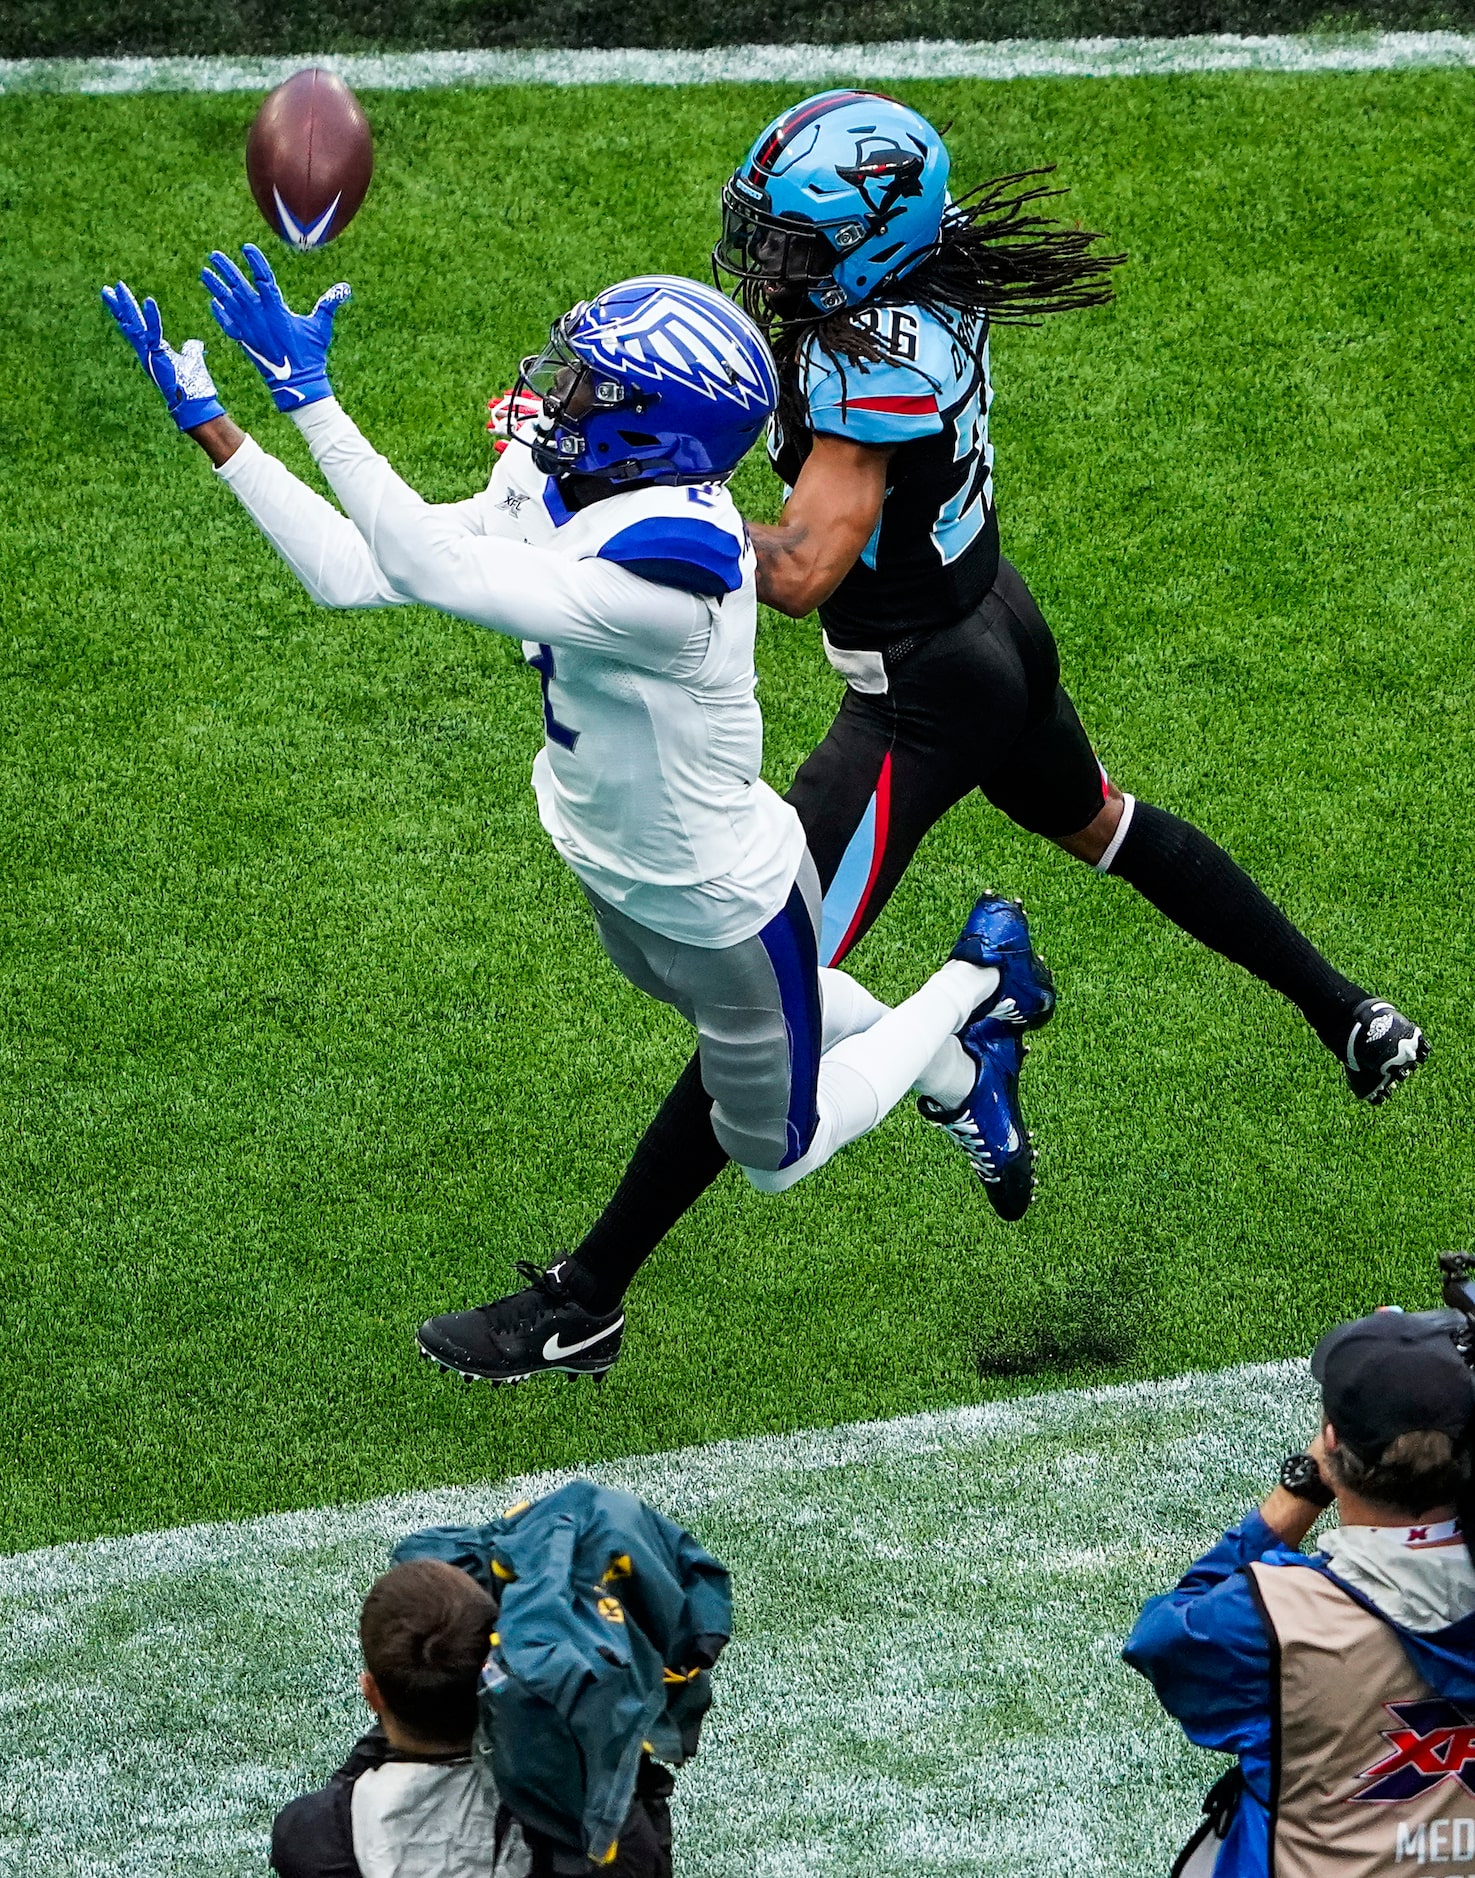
x,y
610,1617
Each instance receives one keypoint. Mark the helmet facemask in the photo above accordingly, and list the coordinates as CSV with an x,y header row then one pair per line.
x,y
570,389
780,260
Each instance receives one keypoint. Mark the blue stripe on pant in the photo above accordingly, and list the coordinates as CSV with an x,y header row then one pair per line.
x,y
757,1010
789,941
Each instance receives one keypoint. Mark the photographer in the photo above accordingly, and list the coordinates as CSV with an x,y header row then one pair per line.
x,y
409,1798
536,1680
1343,1680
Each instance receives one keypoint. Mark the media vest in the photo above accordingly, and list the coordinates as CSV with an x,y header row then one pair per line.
x,y
1368,1763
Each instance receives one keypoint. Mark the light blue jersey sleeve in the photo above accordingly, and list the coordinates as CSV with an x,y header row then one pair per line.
x,y
890,401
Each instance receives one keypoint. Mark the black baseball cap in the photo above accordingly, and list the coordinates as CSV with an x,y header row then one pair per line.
x,y
1394,1373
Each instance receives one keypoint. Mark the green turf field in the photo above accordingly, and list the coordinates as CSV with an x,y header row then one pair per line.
x,y
305,1030
925,1667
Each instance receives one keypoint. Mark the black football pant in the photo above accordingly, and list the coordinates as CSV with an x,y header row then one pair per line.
x,y
978,705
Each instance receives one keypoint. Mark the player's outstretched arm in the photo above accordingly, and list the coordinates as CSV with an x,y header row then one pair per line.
x,y
323,548
436,554
826,522
432,555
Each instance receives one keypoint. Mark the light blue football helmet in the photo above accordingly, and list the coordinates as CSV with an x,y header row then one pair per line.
x,y
839,197
656,380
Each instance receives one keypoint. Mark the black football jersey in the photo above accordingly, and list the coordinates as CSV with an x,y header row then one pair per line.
x,y
935,551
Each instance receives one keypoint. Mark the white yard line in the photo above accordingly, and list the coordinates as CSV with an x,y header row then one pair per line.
x,y
799,64
929,1616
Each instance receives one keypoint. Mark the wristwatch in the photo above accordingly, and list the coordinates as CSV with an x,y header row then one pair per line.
x,y
1300,1475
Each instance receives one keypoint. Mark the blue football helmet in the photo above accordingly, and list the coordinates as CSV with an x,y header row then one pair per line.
x,y
656,380
838,198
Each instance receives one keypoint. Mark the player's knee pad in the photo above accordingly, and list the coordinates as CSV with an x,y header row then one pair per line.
x,y
778,1179
794,1165
763,1143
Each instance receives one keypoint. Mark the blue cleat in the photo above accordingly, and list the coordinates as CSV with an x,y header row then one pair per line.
x,y
989,1126
997,934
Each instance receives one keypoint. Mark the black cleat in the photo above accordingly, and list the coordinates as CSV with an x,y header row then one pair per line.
x,y
531,1333
1383,1049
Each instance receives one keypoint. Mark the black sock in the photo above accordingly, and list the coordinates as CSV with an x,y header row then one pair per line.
x,y
1194,883
674,1163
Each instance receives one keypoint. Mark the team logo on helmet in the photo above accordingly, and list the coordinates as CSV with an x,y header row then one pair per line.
x,y
668,338
884,173
1435,1741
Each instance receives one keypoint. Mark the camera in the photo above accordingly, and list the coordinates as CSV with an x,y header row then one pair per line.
x,y
1457,1271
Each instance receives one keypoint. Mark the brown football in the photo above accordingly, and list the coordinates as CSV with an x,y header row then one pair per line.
x,y
309,158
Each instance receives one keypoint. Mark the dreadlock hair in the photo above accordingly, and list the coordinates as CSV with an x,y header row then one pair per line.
x,y
993,257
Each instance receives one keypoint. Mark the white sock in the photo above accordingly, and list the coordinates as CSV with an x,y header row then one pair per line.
x,y
970,986
865,1076
948,1079
847,1006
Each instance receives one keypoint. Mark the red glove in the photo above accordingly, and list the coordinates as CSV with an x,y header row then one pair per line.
x,y
509,410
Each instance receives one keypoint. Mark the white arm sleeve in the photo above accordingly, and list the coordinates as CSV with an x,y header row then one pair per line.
x,y
323,548
526,592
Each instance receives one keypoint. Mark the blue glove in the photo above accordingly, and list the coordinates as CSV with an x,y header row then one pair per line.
x,y
290,349
183,377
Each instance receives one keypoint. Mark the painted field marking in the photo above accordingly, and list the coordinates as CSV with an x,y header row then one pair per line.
x,y
797,64
925,1675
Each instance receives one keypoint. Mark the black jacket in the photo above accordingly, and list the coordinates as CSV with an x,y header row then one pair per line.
x,y
313,1836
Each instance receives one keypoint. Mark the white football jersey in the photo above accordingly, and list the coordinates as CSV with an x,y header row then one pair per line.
x,y
638,613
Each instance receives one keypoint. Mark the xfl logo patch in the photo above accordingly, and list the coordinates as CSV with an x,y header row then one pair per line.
x,y
1435,1741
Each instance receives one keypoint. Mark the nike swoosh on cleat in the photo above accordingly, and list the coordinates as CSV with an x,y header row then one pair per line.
x,y
284,370
553,1348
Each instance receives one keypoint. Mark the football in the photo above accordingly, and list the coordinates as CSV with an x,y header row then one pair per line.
x,y
309,158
